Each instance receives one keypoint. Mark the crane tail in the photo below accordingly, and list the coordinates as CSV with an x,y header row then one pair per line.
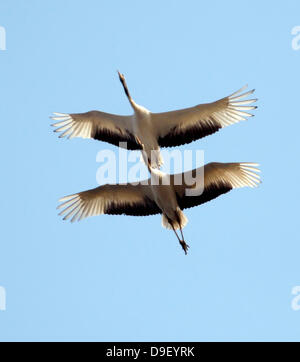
x,y
167,223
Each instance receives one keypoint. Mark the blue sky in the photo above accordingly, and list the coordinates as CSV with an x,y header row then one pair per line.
x,y
123,278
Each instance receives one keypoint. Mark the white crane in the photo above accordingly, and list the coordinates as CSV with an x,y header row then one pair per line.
x,y
165,197
155,130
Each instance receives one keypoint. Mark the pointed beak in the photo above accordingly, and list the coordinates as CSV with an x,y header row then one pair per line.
x,y
122,80
121,76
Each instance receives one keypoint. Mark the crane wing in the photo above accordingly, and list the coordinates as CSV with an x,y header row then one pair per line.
x,y
128,199
219,178
101,126
186,125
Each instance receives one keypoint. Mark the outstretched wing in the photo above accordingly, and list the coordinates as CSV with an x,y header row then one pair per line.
x,y
219,178
101,126
186,125
128,199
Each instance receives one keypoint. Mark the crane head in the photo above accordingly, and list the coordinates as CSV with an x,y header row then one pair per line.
x,y
123,81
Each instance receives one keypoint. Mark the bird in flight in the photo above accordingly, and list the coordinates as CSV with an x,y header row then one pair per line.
x,y
162,194
155,130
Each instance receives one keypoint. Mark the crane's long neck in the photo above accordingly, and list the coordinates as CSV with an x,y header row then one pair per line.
x,y
123,81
